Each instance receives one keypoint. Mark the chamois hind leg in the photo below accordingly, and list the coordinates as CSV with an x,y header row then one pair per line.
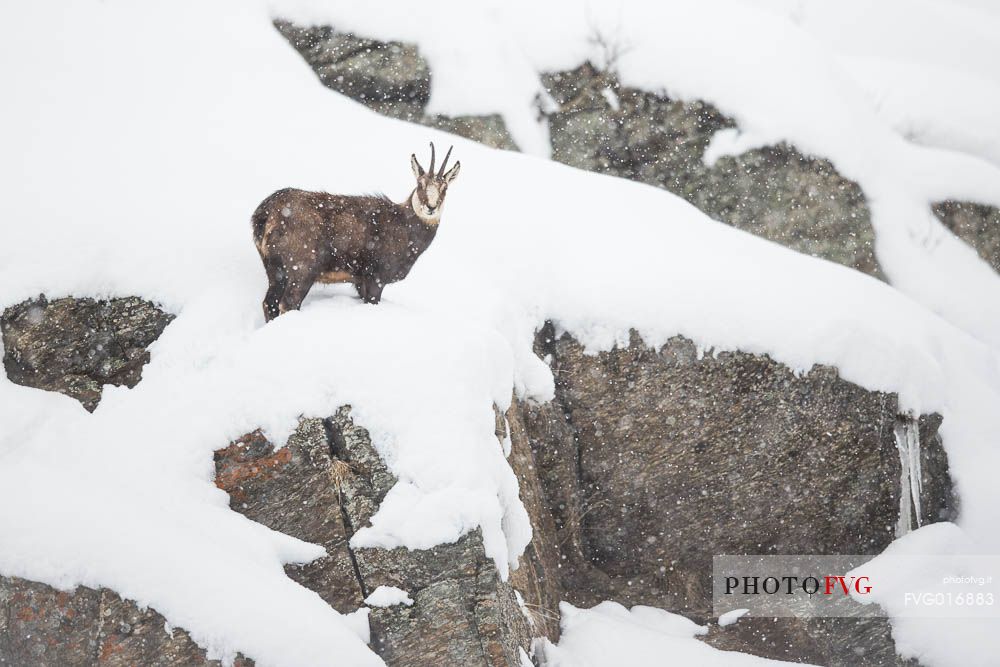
x,y
277,282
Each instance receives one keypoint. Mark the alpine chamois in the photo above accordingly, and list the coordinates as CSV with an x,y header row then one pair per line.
x,y
306,237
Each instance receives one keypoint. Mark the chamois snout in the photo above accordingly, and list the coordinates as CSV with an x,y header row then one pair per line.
x,y
428,197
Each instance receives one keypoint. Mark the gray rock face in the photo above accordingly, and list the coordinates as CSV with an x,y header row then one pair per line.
x,y
321,487
646,464
324,485
43,627
76,346
389,77
653,461
539,578
774,192
976,224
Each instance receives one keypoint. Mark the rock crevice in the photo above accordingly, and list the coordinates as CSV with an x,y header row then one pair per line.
x,y
462,613
646,463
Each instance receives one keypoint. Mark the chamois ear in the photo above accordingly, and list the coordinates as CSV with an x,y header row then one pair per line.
x,y
452,173
418,171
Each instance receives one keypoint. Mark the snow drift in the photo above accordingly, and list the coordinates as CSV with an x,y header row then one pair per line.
x,y
139,139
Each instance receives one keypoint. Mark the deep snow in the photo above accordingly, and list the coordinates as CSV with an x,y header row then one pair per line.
x,y
609,634
139,139
871,86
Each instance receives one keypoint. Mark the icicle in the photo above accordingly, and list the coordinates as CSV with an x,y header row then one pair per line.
x,y
911,480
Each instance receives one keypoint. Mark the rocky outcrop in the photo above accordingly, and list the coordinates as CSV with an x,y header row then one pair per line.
x,y
595,123
646,464
976,224
76,346
652,461
598,124
324,484
389,77
328,482
43,627
776,192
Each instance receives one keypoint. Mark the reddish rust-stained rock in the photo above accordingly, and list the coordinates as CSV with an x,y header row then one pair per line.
x,y
43,627
327,482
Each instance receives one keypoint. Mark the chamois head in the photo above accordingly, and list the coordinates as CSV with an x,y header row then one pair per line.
x,y
428,197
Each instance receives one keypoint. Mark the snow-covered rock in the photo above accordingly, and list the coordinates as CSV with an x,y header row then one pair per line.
x,y
653,460
157,178
76,346
389,77
976,224
387,596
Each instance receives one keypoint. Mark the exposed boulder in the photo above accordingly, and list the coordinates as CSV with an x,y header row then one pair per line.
x,y
646,464
44,627
595,123
389,77
76,346
324,485
976,224
652,461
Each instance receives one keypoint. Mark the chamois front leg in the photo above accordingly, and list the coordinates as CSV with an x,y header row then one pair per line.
x,y
277,281
300,281
370,289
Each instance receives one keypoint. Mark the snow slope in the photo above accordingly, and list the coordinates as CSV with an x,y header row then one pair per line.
x,y
609,634
136,143
786,70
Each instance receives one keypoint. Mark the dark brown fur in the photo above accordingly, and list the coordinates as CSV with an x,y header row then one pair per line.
x,y
307,237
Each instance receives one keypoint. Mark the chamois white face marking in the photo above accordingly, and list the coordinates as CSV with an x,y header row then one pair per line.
x,y
423,211
433,194
428,197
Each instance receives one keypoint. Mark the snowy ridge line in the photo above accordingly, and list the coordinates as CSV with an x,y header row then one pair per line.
x,y
155,181
816,101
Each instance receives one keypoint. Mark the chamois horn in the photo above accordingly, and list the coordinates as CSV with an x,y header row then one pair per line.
x,y
444,164
430,170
